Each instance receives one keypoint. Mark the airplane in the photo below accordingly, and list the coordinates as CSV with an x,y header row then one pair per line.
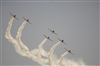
x,y
52,31
62,41
69,51
27,20
48,37
14,16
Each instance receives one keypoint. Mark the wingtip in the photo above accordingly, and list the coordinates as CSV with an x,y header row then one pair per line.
x,y
48,28
44,35
65,43
51,40
72,53
65,49
31,23
23,17
9,13
17,18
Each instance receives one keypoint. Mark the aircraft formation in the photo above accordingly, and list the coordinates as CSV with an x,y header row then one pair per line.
x,y
27,20
52,31
58,39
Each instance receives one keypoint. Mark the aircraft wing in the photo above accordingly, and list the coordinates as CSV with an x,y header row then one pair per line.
x,y
65,43
68,51
51,40
27,21
30,22
71,53
65,49
23,18
11,14
58,39
45,36
50,29
55,33
16,18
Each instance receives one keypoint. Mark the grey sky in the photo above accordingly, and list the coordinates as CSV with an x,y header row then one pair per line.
x,y
75,22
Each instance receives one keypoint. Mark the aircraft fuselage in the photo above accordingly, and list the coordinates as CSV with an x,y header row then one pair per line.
x,y
14,16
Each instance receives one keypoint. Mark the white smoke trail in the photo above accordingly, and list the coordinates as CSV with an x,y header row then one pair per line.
x,y
51,58
8,34
40,60
70,62
26,50
12,40
24,47
19,32
51,52
62,57
53,48
43,53
40,47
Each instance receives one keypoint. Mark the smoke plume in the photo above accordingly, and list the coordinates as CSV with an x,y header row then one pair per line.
x,y
36,54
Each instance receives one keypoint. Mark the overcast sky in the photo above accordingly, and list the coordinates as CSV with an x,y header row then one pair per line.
x,y
75,22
